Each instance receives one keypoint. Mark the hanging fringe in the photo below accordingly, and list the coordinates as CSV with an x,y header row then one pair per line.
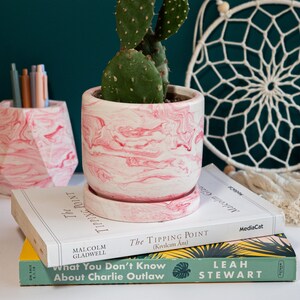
x,y
281,189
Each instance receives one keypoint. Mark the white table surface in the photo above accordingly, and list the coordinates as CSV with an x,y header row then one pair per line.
x,y
11,241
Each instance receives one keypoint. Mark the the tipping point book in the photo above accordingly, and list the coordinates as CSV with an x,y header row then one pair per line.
x,y
63,232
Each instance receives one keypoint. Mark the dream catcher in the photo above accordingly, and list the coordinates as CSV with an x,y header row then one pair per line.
x,y
247,64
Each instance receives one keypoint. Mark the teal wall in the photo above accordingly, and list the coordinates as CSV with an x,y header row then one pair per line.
x,y
75,39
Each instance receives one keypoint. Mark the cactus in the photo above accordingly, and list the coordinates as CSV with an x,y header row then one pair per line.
x,y
133,20
139,71
171,16
139,78
150,46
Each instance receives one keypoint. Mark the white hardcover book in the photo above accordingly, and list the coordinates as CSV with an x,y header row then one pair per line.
x,y
63,232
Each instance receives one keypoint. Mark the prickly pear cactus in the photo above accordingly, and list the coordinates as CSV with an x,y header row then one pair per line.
x,y
171,16
133,20
139,71
150,46
132,77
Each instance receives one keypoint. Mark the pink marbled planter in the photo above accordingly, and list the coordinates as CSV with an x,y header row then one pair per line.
x,y
36,146
142,153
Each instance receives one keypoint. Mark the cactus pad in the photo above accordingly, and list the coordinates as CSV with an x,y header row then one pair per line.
x,y
151,46
171,16
133,78
133,20
139,72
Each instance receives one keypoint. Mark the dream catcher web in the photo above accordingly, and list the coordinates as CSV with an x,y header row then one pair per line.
x,y
248,69
247,65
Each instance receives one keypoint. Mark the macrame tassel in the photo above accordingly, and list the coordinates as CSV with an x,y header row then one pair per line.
x,y
281,189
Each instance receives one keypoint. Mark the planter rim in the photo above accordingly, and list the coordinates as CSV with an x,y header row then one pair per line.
x,y
7,104
193,95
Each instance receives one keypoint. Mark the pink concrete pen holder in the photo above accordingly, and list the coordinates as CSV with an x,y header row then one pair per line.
x,y
37,147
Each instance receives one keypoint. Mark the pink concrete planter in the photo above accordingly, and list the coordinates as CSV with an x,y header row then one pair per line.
x,y
36,147
142,153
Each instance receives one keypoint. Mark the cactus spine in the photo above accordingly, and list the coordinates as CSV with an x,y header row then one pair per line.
x,y
139,71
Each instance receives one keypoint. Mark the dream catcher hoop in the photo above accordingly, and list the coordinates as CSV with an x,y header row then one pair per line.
x,y
252,66
247,65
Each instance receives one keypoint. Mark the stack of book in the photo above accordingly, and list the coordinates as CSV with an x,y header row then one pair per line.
x,y
235,236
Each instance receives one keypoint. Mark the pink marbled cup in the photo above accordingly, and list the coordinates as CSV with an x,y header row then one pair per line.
x,y
36,146
142,152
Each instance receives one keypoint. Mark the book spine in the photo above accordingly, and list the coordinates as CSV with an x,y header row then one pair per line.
x,y
120,271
